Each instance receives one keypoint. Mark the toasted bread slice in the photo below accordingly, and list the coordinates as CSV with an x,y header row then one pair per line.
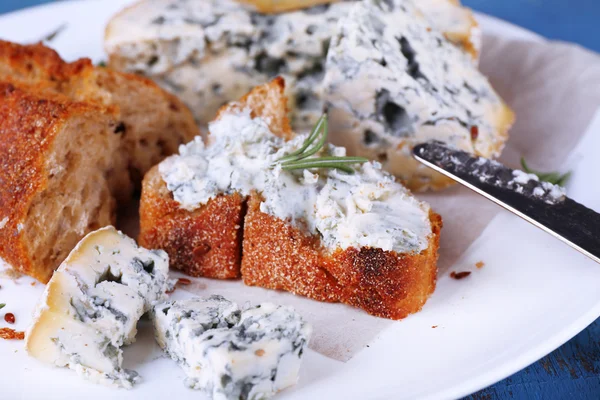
x,y
56,160
274,252
152,123
207,241
277,255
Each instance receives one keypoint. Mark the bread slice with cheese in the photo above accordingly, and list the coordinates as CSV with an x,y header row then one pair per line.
x,y
392,81
57,168
206,241
358,238
152,123
214,51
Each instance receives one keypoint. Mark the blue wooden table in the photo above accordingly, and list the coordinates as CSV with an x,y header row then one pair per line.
x,y
572,371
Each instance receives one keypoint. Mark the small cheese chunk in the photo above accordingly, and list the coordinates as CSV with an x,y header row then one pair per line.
x,y
229,354
92,304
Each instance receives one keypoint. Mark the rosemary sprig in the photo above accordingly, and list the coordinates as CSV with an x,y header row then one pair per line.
x,y
2,305
301,158
552,177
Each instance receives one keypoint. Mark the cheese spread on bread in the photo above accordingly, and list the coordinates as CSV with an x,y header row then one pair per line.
x,y
92,304
365,209
230,353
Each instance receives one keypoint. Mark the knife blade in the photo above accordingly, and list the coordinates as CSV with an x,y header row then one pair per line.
x,y
540,203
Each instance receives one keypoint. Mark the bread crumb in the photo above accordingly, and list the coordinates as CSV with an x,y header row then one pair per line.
x,y
459,275
480,264
10,274
33,283
9,334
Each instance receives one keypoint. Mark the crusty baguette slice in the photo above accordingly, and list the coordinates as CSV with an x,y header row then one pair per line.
x,y
56,157
152,122
277,255
208,241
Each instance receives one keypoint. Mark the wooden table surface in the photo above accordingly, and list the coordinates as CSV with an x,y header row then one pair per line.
x,y
573,370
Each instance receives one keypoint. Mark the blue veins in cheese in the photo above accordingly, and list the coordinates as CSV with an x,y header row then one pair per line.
x,y
92,304
231,353
213,51
392,81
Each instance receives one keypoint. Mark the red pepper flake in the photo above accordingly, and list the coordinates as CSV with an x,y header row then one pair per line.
x,y
480,264
474,132
8,333
184,281
434,326
459,275
9,317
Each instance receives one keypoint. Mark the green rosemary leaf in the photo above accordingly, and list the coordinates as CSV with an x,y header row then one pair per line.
x,y
325,162
102,64
552,177
2,305
302,157
52,35
309,140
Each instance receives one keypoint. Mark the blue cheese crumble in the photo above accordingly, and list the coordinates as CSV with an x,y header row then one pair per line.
x,y
365,209
229,353
92,304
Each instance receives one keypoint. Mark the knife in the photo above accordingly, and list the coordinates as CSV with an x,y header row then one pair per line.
x,y
543,204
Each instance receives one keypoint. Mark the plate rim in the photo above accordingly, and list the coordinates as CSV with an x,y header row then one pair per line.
x,y
502,371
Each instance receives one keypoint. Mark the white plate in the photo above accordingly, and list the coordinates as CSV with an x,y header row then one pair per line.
x,y
488,327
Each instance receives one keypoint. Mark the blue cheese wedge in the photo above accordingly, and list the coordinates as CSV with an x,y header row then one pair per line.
x,y
365,209
232,354
214,51
92,304
392,81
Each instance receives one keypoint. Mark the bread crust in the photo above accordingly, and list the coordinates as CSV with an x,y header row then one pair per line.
x,y
29,125
277,255
204,242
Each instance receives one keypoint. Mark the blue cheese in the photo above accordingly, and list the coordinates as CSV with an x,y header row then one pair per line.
x,y
214,51
233,354
92,304
392,81
365,209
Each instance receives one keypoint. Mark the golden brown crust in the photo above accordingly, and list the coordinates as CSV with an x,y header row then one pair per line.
x,y
277,255
205,242
267,101
29,125
155,122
